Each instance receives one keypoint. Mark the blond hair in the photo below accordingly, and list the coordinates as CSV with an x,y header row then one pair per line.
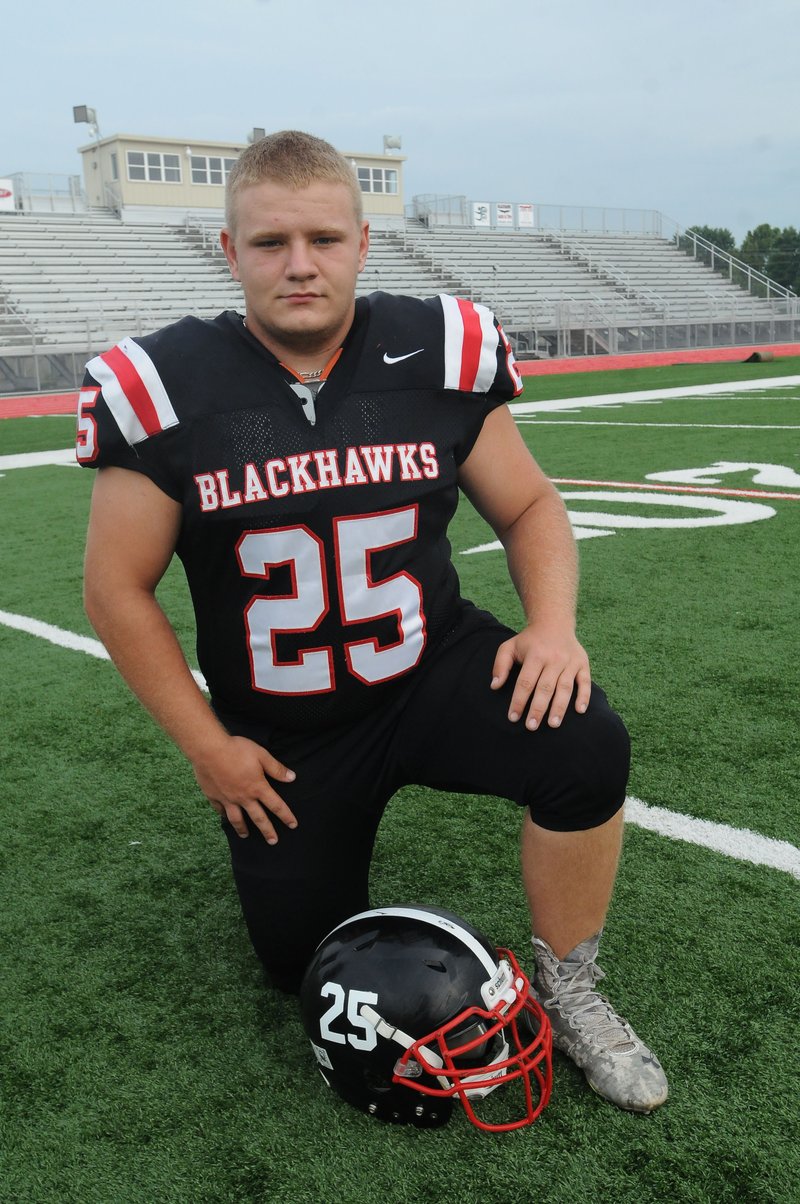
x,y
295,160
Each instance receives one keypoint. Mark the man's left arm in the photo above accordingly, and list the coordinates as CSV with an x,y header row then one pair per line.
x,y
509,489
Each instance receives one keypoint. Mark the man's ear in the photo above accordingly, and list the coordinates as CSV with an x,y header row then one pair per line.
x,y
229,247
363,246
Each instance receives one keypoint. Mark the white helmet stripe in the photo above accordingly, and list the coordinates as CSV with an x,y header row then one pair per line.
x,y
427,917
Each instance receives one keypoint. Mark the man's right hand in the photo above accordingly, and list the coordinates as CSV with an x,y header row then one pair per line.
x,y
234,776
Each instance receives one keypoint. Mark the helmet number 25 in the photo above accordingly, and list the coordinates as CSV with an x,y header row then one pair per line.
x,y
364,1035
360,598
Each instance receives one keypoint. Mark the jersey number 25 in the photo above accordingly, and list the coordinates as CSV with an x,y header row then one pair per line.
x,y
360,599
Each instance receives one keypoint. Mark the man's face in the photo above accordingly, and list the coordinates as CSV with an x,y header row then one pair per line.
x,y
297,253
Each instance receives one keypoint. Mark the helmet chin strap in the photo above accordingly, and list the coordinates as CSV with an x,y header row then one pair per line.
x,y
384,1029
390,1033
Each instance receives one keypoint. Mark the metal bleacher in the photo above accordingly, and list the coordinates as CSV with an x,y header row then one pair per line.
x,y
74,284
77,283
655,269
584,291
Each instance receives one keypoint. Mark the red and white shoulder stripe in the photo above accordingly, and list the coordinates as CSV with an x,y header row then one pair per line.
x,y
471,341
133,391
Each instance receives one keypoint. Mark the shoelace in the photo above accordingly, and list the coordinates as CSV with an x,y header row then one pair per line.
x,y
588,1010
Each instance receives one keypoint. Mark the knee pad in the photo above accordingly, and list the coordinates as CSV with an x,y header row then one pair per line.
x,y
580,774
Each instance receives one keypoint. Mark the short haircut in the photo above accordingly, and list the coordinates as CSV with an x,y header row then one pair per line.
x,y
295,160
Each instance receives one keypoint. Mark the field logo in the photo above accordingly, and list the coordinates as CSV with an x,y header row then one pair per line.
x,y
712,512
762,474
694,491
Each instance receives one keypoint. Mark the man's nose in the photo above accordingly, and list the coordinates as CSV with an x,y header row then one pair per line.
x,y
300,262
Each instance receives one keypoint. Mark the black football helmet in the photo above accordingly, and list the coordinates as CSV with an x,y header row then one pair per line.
x,y
410,1008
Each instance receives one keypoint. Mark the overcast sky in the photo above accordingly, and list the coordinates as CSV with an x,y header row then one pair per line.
x,y
689,107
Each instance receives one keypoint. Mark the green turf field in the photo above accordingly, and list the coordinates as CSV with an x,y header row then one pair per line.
x,y
142,1060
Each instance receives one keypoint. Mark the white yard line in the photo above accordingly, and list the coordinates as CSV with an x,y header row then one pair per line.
x,y
651,395
64,455
739,843
681,426
652,487
67,639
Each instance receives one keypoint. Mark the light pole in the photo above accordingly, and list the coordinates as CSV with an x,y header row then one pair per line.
x,y
84,115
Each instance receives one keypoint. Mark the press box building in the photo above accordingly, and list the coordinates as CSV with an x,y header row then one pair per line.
x,y
147,179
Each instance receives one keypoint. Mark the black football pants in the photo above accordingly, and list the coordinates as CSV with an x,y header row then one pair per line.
x,y
446,730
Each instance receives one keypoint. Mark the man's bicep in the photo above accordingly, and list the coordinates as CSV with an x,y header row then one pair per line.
x,y
133,529
500,476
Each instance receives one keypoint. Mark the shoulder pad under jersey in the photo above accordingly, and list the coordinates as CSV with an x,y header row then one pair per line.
x,y
442,342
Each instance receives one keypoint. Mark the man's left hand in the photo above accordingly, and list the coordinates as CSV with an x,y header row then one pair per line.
x,y
552,664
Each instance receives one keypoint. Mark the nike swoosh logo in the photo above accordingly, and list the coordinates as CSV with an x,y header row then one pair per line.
x,y
395,359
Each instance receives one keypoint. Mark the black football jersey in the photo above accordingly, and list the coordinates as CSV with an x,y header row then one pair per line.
x,y
314,529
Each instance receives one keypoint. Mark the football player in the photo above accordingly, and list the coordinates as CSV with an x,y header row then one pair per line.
x,y
303,461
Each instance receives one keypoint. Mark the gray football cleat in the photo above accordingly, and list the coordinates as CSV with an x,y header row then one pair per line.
x,y
586,1028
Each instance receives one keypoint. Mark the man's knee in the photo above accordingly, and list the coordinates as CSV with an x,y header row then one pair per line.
x,y
586,771
285,925
290,901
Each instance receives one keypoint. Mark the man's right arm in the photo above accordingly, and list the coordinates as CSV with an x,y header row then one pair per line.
x,y
133,529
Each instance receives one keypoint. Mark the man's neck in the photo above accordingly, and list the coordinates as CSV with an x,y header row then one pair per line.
x,y
306,358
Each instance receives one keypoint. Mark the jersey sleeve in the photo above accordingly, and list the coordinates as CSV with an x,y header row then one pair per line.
x,y
478,361
125,416
477,354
